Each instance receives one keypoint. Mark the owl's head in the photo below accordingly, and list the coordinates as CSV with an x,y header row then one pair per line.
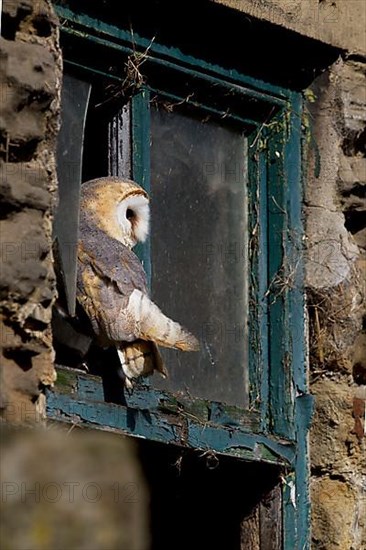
x,y
118,207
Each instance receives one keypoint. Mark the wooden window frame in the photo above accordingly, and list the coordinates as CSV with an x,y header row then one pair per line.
x,y
274,428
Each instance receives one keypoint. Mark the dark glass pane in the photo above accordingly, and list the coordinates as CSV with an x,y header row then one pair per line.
x,y
74,104
199,250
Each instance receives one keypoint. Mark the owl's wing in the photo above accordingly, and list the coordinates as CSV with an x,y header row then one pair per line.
x,y
112,288
114,261
108,273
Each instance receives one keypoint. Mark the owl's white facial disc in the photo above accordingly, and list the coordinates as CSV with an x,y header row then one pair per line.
x,y
133,216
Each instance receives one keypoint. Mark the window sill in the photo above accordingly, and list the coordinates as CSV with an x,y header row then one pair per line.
x,y
78,399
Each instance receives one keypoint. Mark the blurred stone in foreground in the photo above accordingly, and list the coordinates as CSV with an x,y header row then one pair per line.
x,y
77,490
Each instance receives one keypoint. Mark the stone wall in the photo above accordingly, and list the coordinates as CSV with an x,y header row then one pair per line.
x,y
336,237
337,22
30,73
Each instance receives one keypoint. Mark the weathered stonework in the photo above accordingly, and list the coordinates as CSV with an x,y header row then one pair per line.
x,y
30,75
336,260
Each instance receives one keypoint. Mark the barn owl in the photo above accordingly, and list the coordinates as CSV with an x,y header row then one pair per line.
x,y
111,285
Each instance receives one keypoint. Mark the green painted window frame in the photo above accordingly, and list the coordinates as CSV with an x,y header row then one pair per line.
x,y
274,429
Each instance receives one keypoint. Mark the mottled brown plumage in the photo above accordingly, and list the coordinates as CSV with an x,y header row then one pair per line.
x,y
112,285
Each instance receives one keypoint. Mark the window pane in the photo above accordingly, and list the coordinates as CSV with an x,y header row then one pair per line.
x,y
75,98
199,250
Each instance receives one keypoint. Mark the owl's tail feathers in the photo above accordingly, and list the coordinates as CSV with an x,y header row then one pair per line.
x,y
155,326
140,358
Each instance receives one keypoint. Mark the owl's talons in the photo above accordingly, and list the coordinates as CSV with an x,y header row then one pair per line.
x,y
127,382
84,367
129,385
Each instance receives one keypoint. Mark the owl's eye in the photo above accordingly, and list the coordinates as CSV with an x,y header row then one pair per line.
x,y
130,214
